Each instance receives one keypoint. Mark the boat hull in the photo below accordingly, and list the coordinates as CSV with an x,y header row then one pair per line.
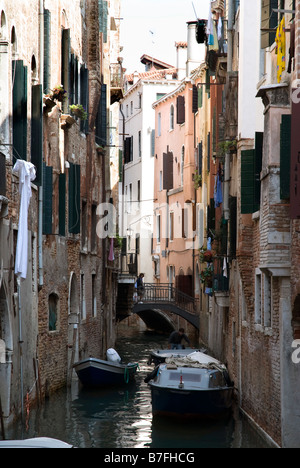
x,y
97,373
191,404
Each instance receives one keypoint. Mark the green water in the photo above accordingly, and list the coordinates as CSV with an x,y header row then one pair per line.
x,y
122,418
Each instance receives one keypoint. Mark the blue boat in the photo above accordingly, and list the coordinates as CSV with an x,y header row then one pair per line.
x,y
195,386
98,373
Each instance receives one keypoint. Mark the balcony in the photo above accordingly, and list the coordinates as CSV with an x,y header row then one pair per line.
x,y
128,268
116,82
221,281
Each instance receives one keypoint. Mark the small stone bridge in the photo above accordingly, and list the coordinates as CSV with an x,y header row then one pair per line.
x,y
164,297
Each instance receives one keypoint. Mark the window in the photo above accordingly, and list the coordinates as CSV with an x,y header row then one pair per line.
x,y
139,194
171,226
2,175
172,117
94,296
159,125
84,221
180,110
131,107
74,199
182,166
267,299
140,144
158,228
82,297
93,230
258,298
160,181
53,312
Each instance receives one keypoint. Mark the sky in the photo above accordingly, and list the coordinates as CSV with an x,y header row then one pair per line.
x,y
152,27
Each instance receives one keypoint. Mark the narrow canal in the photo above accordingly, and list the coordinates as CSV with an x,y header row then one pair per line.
x,y
123,418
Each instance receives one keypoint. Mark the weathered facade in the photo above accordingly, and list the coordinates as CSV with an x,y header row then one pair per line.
x,y
65,309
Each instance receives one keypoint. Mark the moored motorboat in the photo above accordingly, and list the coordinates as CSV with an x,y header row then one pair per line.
x,y
94,372
158,356
194,386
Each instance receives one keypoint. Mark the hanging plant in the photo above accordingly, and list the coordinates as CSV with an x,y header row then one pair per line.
x,y
197,180
79,111
206,276
58,93
206,256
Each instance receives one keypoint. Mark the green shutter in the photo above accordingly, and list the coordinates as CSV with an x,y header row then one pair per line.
x,y
62,205
37,131
19,81
101,121
65,66
47,51
153,143
259,140
248,182
84,96
285,156
47,199
74,199
200,96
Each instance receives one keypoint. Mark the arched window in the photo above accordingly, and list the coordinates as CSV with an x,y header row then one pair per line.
x,y
34,71
3,27
53,312
172,117
13,41
182,166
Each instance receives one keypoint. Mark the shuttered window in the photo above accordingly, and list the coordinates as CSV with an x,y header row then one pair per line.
x,y
103,13
62,205
232,226
269,21
128,157
47,51
180,110
47,199
153,143
208,152
167,171
200,158
195,99
285,156
74,199
200,96
84,96
101,120
65,65
37,131
2,175
19,81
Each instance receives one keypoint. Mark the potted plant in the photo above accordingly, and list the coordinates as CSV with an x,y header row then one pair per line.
x,y
206,276
205,256
79,111
58,93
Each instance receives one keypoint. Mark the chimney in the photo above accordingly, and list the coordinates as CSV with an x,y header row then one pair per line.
x,y
195,51
181,59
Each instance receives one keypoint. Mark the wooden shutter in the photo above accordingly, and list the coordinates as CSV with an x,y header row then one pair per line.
x,y
259,139
285,156
180,110
37,131
200,96
47,199
84,96
74,199
208,152
200,158
62,205
153,143
65,65
47,51
248,182
2,175
101,121
195,99
168,171
269,21
103,15
19,79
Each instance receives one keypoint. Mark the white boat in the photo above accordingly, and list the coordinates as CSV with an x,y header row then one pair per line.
x,y
193,386
38,442
158,356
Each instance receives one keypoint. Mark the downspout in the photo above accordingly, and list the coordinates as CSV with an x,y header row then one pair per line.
x,y
229,70
40,204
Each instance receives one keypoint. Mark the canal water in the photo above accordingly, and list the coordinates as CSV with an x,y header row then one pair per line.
x,y
122,418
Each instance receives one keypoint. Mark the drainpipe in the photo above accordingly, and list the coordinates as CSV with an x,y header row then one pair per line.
x,y
231,11
40,204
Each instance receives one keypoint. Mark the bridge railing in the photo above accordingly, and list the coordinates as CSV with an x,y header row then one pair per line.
x,y
165,292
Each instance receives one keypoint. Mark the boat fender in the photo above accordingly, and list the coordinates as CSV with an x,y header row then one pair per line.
x,y
152,375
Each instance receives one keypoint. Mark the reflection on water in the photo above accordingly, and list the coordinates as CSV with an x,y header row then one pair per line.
x,y
122,418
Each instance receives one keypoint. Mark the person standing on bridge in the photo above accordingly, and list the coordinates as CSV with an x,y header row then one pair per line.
x,y
140,287
175,339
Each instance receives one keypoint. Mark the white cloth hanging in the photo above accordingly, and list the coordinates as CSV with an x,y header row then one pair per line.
x,y
225,273
27,173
